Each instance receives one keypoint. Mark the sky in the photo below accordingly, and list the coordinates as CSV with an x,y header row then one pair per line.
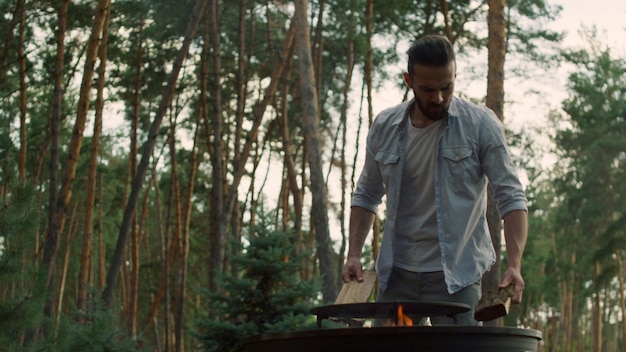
x,y
607,15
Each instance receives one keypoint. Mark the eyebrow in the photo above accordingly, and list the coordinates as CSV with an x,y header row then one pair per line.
x,y
425,87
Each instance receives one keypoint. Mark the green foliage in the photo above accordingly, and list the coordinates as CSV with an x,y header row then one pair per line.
x,y
21,310
576,223
98,333
594,143
527,34
268,295
24,293
595,147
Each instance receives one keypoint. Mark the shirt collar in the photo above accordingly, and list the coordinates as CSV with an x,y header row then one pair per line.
x,y
405,108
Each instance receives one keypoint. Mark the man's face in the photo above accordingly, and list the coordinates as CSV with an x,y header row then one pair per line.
x,y
433,88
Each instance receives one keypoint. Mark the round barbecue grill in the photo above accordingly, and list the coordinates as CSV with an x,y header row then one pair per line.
x,y
395,338
404,339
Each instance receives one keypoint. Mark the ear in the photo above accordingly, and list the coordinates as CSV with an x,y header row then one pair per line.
x,y
408,80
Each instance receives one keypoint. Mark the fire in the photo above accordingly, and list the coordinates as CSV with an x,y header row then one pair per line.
x,y
403,320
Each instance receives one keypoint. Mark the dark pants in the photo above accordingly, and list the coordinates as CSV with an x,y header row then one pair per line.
x,y
430,286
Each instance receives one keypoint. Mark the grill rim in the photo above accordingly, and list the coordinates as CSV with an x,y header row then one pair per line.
x,y
416,330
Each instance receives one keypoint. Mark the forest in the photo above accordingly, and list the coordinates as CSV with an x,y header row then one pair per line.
x,y
176,175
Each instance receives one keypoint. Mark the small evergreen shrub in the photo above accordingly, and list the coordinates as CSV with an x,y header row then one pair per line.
x,y
267,296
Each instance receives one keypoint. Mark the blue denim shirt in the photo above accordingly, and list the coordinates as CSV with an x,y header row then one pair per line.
x,y
471,151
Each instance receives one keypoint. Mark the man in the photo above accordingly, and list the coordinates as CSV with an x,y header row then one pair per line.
x,y
432,157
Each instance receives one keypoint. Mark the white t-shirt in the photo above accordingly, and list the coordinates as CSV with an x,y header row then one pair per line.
x,y
417,239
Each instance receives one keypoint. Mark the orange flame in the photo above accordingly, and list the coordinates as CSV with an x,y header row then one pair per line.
x,y
403,320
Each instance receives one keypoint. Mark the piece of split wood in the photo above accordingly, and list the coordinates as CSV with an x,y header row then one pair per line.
x,y
494,304
357,292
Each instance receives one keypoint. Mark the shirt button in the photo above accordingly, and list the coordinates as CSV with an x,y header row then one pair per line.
x,y
458,157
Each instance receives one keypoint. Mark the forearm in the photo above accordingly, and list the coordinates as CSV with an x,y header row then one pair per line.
x,y
361,221
515,235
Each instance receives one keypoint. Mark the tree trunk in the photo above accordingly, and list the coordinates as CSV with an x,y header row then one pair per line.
x,y
291,177
252,189
163,294
71,231
446,19
369,64
22,69
57,218
242,82
622,299
15,17
496,46
242,90
116,262
219,217
55,126
596,312
152,315
318,46
568,313
311,117
288,160
176,243
133,279
181,274
85,276
101,246
344,182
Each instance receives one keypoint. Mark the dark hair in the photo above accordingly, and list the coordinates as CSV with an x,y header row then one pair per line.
x,y
430,50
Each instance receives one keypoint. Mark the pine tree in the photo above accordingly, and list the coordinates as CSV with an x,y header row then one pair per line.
x,y
22,291
268,296
20,303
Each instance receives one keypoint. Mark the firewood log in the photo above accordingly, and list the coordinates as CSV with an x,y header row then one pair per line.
x,y
494,304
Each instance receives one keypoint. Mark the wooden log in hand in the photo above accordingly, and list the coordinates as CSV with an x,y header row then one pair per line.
x,y
494,304
357,292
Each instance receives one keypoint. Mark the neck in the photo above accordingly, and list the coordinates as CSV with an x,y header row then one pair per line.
x,y
418,120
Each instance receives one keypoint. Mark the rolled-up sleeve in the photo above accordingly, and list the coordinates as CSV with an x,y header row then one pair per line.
x,y
370,188
499,168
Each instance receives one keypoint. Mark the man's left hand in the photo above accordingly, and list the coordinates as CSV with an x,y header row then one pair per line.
x,y
513,276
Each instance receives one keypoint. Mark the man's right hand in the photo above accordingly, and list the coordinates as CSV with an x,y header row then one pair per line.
x,y
352,269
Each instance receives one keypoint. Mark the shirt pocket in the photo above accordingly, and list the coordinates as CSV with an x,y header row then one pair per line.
x,y
457,163
387,164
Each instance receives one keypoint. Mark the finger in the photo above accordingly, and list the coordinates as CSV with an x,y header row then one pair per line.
x,y
518,290
358,274
351,272
505,282
346,278
346,274
517,295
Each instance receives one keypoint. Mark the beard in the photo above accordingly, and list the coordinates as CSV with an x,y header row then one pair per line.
x,y
433,112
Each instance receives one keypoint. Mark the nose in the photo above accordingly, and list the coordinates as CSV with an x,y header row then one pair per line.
x,y
437,97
